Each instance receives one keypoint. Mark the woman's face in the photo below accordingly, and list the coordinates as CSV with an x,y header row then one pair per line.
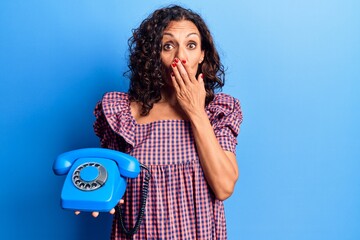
x,y
182,40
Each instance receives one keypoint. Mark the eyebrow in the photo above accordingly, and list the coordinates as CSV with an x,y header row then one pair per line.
x,y
170,34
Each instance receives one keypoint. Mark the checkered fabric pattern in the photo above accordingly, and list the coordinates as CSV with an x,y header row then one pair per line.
x,y
180,204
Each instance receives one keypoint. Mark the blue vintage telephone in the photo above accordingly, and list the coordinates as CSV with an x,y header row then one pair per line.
x,y
96,179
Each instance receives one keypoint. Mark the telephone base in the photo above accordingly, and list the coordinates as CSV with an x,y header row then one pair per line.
x,y
103,198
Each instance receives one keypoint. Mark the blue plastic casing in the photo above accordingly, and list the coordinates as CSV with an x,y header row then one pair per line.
x,y
118,167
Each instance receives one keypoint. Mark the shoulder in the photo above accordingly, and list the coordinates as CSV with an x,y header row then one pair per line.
x,y
115,97
114,106
225,115
113,112
115,102
223,104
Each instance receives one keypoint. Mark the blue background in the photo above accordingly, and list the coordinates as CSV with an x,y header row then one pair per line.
x,y
295,66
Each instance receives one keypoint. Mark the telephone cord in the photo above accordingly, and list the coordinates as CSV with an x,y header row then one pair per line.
x,y
144,195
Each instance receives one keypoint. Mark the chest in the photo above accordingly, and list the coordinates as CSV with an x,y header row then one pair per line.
x,y
159,111
164,142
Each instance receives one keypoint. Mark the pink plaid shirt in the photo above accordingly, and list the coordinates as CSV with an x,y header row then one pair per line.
x,y
180,204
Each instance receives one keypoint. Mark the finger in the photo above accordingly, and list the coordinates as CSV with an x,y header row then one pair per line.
x,y
201,78
188,70
175,84
95,214
184,73
112,211
77,212
177,76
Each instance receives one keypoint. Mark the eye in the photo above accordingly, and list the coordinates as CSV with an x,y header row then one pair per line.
x,y
167,47
192,45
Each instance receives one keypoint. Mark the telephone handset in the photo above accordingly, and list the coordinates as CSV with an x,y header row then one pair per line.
x,y
96,180
96,177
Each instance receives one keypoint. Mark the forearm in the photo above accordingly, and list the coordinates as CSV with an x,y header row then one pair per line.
x,y
220,167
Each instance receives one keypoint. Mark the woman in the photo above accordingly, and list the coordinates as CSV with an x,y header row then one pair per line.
x,y
173,122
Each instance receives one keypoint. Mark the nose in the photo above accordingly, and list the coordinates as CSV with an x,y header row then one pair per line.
x,y
181,53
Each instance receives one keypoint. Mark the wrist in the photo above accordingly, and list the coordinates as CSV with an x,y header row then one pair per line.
x,y
198,118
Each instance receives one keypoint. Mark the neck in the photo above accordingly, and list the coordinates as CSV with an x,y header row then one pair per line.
x,y
168,95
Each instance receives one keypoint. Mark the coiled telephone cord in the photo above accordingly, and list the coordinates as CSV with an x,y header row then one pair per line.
x,y
144,195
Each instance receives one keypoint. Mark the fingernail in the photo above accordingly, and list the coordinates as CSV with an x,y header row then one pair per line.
x,y
173,64
176,60
183,61
202,75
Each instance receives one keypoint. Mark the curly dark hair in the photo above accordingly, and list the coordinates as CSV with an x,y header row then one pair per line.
x,y
145,66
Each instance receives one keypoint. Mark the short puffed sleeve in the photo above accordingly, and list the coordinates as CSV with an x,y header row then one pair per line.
x,y
225,116
113,124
